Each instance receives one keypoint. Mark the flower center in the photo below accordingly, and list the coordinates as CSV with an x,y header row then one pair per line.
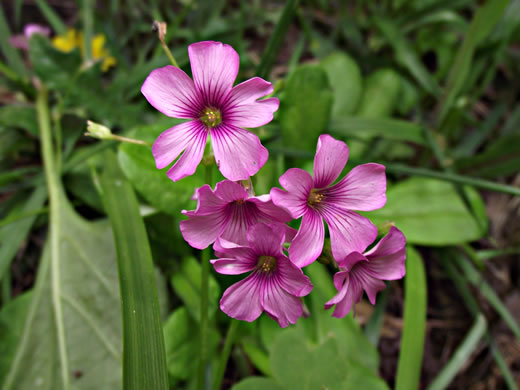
x,y
315,198
266,264
211,117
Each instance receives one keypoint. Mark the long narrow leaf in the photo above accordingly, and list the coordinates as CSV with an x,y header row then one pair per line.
x,y
144,356
412,342
461,356
484,20
277,39
474,277
52,17
11,54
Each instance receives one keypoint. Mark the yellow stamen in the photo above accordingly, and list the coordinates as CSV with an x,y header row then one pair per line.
x,y
314,198
211,117
266,263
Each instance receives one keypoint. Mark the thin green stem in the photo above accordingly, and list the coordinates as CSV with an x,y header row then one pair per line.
x,y
453,177
224,356
169,54
10,219
88,23
54,189
204,298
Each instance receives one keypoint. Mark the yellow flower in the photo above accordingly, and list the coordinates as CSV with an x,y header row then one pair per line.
x,y
66,42
74,39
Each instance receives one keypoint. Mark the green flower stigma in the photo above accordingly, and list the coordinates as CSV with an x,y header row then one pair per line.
x,y
266,263
211,117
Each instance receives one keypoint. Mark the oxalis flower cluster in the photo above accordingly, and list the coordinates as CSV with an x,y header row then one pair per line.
x,y
249,233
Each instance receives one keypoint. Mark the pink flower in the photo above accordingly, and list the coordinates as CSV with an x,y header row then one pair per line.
x,y
315,199
359,272
227,212
275,283
21,41
214,108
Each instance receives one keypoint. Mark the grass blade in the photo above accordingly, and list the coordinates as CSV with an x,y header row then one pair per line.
x,y
412,342
11,54
277,39
475,278
144,356
461,355
406,55
52,17
484,20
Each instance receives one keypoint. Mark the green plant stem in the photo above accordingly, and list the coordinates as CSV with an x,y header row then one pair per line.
x,y
204,298
87,28
224,356
453,177
54,188
169,54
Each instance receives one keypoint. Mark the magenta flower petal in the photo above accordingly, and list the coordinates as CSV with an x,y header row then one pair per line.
x,y
268,208
298,183
32,28
234,266
330,159
207,222
172,92
266,239
368,283
230,191
279,304
387,258
308,243
367,271
242,300
214,66
363,189
238,152
170,144
187,164
349,231
242,107
292,278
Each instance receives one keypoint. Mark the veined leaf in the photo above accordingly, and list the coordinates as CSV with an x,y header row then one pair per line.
x,y
85,289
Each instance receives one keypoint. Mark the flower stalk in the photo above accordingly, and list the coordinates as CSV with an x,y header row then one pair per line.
x,y
161,28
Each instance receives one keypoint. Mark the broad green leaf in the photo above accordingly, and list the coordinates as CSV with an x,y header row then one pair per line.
x,y
181,337
414,325
186,284
297,366
80,281
409,97
144,360
346,331
12,318
12,235
17,116
138,165
345,80
257,383
305,107
406,55
392,129
430,212
359,377
258,357
484,20
380,94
